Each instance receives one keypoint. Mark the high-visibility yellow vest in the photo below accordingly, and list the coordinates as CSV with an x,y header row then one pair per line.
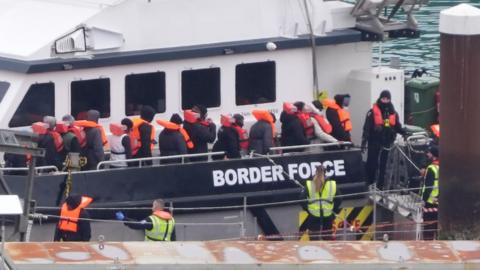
x,y
161,230
434,194
326,195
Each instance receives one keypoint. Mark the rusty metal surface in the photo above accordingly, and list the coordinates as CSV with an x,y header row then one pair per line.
x,y
459,143
247,255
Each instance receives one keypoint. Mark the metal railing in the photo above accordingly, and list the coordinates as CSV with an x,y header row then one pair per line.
x,y
305,146
140,160
25,169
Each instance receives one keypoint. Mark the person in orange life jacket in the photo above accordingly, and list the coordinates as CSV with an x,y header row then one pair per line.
x,y
338,117
228,140
51,141
71,135
262,133
201,130
381,127
321,126
171,142
160,226
73,226
144,134
293,132
242,133
120,146
94,133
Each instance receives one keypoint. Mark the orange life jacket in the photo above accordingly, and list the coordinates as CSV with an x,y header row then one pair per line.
x,y
378,118
91,124
163,215
190,116
135,135
117,129
80,134
243,135
226,121
324,124
289,108
307,124
173,126
69,218
265,116
436,130
343,115
57,139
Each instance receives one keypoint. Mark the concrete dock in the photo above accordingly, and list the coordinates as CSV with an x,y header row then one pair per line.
x,y
246,255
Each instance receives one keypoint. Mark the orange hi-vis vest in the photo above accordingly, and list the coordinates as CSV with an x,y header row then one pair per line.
x,y
324,124
343,115
378,118
135,135
91,124
265,116
69,218
173,126
436,130
243,135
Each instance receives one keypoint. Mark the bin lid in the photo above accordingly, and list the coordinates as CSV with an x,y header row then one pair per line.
x,y
423,82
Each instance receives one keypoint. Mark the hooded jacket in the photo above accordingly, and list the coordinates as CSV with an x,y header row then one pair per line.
x,y
293,132
380,134
338,131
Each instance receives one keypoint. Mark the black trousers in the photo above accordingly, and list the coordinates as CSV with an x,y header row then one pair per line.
x,y
431,220
318,227
376,164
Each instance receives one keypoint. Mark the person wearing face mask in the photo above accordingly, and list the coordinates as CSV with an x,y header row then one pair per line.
x,y
381,127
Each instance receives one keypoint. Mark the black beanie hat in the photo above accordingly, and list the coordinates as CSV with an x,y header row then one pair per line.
x,y
385,93
127,122
300,105
176,118
147,113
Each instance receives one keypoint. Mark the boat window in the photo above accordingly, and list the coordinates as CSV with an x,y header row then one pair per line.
x,y
38,102
144,89
255,83
90,94
201,86
3,89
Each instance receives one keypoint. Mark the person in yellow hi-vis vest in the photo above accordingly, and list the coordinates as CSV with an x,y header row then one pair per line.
x,y
320,206
159,226
430,194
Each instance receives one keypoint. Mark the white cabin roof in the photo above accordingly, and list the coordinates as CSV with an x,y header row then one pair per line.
x,y
29,28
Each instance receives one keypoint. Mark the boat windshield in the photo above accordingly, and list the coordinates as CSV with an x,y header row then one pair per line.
x,y
3,89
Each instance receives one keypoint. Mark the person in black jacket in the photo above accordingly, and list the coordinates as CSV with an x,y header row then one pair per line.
x,y
381,127
52,143
145,130
94,149
340,130
228,140
202,132
261,136
171,141
69,230
293,132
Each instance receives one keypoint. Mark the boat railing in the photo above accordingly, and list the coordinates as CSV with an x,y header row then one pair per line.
x,y
280,149
140,161
25,169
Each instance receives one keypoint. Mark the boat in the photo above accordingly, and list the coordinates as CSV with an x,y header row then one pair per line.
x,y
61,57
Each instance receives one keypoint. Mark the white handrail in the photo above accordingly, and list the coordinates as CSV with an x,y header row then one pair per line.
x,y
39,168
309,146
105,162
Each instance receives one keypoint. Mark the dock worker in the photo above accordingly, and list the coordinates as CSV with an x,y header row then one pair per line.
x,y
321,206
339,117
430,193
74,224
159,226
380,130
143,134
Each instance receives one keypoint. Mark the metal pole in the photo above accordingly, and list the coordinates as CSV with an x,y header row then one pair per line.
x,y
374,211
314,54
2,254
344,225
26,200
244,216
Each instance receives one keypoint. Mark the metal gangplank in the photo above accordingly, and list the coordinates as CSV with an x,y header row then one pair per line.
x,y
376,16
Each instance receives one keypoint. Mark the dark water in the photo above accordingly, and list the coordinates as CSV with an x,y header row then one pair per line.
x,y
424,51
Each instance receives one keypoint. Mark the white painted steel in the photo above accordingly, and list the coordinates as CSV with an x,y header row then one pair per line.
x,y
463,19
